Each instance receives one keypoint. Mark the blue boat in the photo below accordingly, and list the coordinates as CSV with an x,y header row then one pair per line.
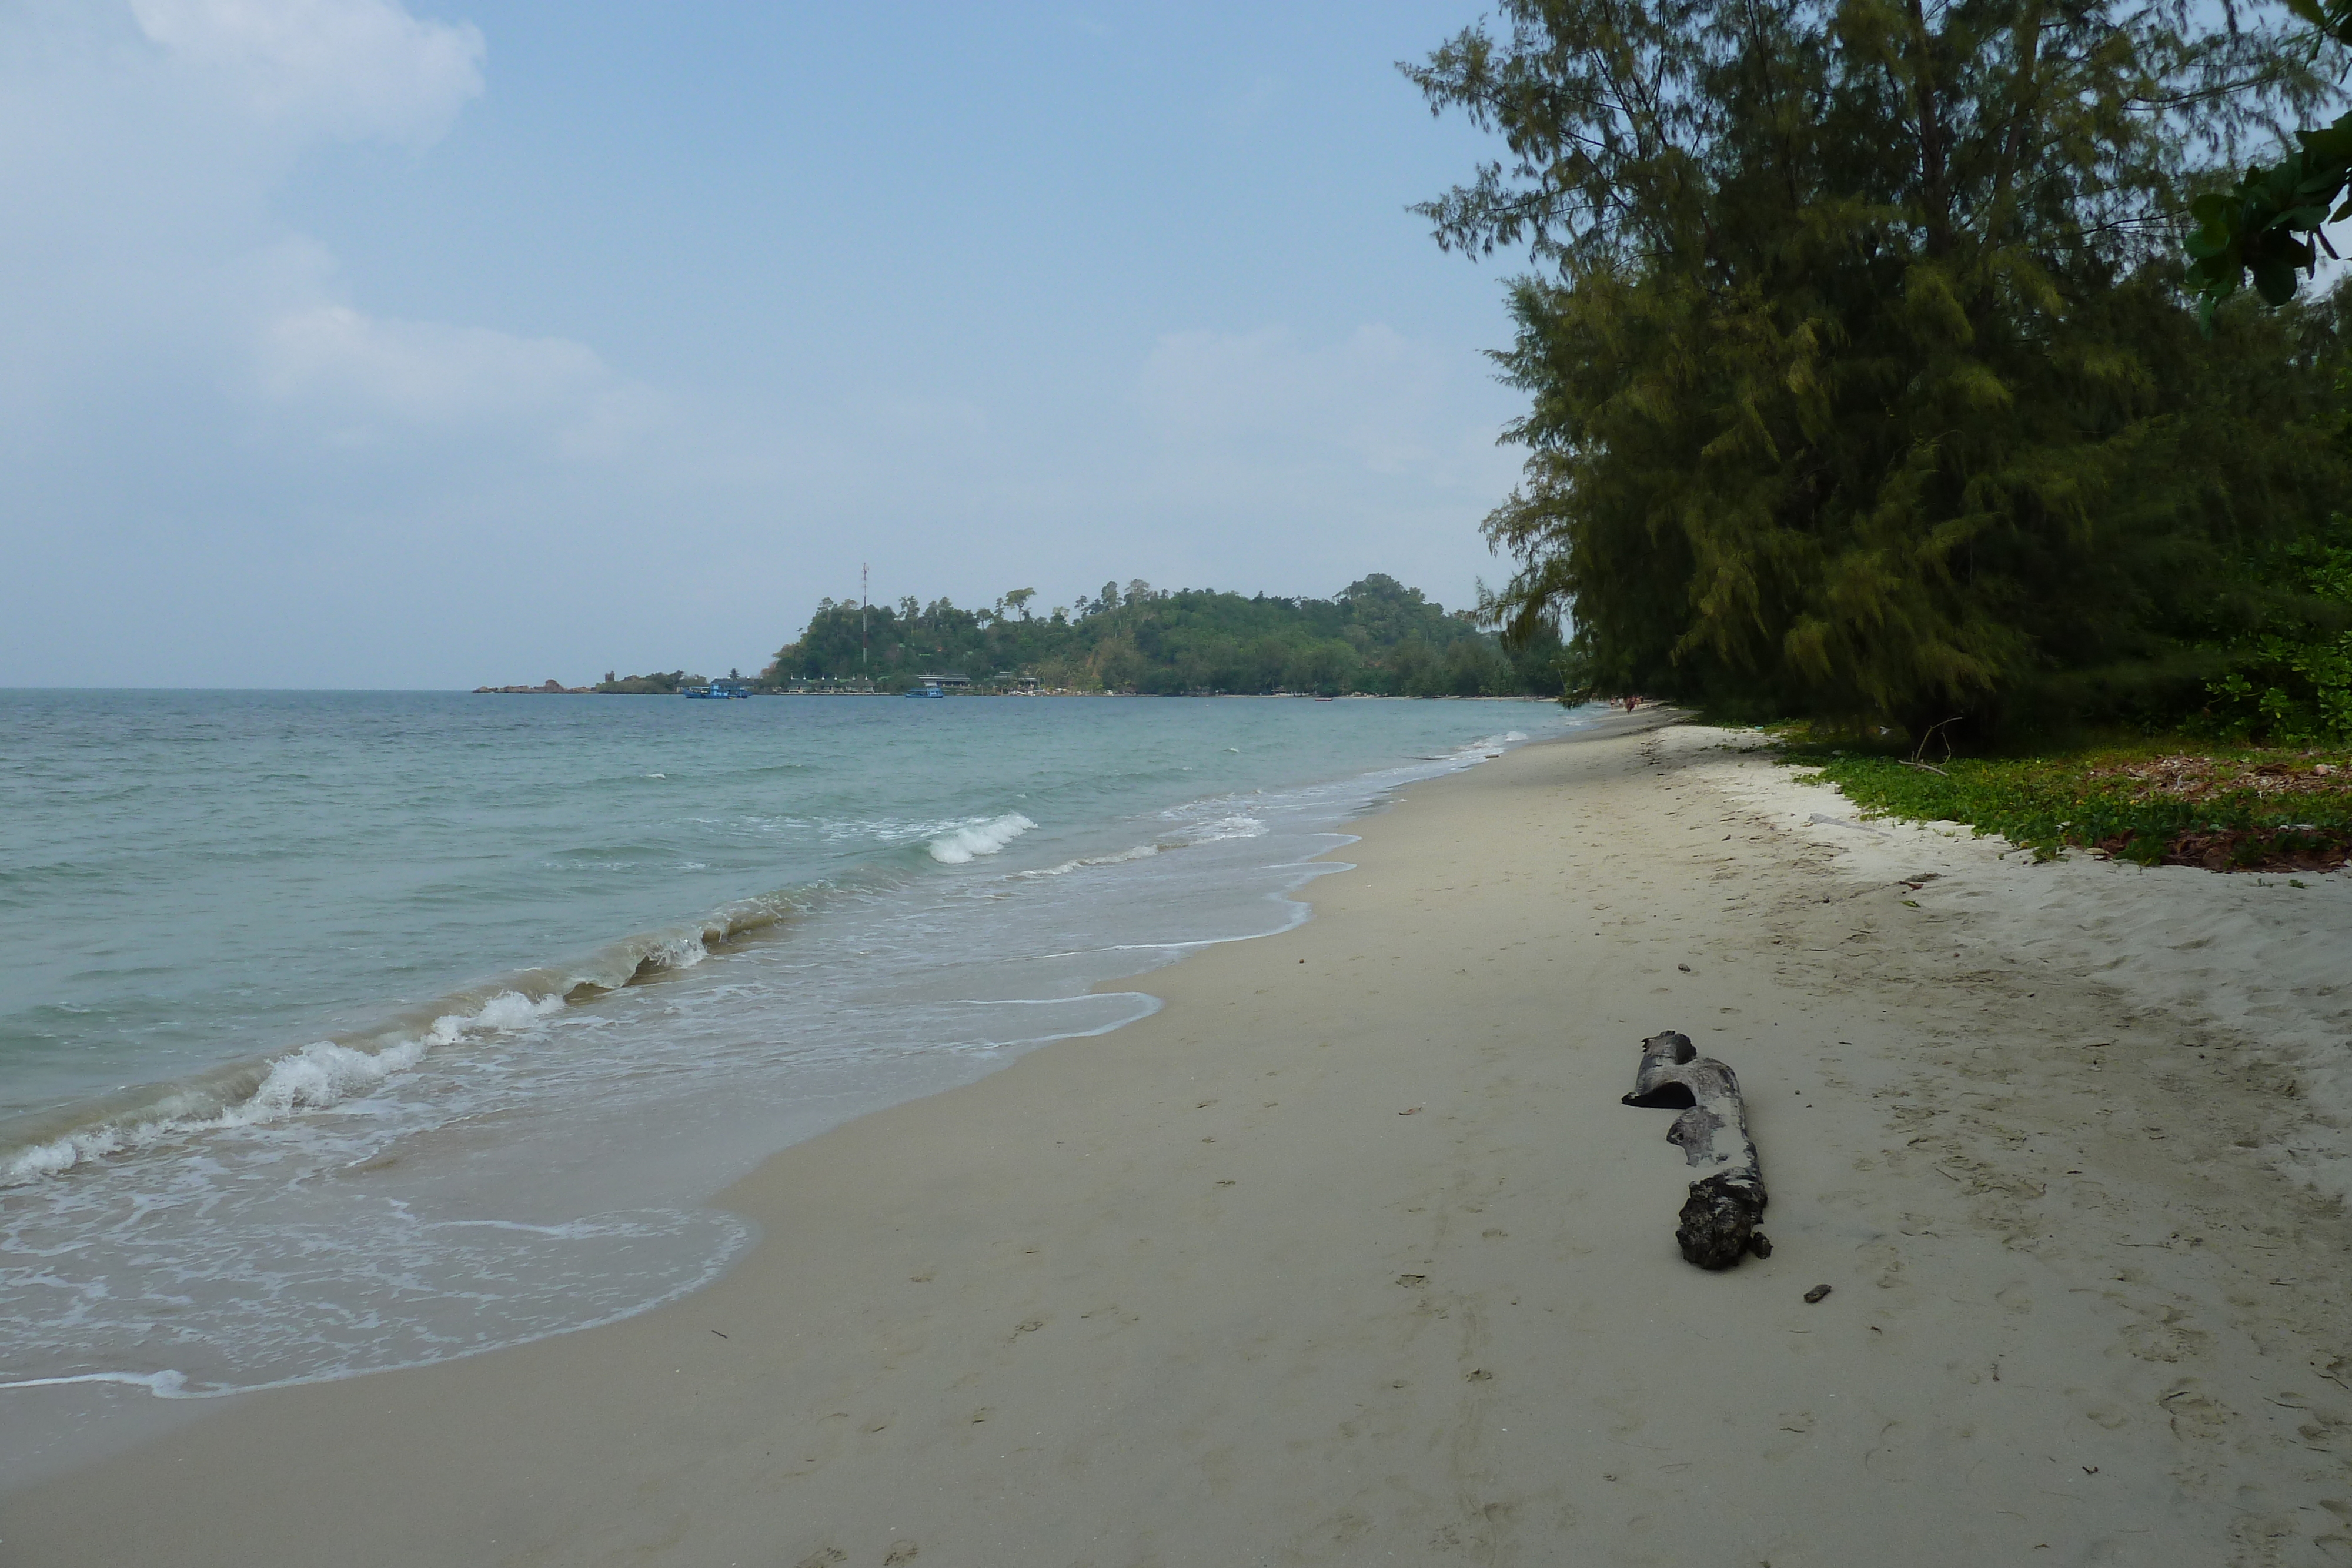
x,y
924,691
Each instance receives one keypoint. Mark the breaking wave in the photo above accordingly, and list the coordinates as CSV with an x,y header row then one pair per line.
x,y
1141,851
961,845
261,1090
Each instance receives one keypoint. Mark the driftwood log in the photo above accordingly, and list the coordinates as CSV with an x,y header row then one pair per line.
x,y
1726,1203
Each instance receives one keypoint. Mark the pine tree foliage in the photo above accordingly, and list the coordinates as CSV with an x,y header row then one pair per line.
x,y
1862,380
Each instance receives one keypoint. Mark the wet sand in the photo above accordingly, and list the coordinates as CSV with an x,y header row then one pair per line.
x,y
1350,1254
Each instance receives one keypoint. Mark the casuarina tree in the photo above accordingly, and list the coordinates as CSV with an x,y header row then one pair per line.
x,y
1862,377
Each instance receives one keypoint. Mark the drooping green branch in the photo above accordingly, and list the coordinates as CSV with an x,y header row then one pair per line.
x,y
2271,227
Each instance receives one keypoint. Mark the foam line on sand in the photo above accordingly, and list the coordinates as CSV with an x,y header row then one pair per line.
x,y
1348,1254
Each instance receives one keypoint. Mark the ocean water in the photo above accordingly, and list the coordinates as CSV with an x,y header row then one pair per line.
x,y
341,1031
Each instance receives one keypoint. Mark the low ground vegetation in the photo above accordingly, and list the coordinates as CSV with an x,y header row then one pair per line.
x,y
2166,802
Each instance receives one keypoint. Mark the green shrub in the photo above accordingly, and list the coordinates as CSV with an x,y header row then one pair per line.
x,y
2290,681
2224,810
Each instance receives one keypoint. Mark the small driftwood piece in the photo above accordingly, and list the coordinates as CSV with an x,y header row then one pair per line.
x,y
1726,1203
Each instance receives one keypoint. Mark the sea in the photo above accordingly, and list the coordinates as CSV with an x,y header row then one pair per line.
x,y
343,1031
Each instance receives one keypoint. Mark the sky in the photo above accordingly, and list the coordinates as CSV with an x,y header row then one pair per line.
x,y
371,344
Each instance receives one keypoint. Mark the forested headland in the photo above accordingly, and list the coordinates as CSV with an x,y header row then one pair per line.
x,y
1868,378
1375,636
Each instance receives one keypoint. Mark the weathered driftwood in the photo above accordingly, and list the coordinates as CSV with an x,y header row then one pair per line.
x,y
1720,1220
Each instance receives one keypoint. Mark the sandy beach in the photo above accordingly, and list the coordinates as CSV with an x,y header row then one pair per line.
x,y
1350,1255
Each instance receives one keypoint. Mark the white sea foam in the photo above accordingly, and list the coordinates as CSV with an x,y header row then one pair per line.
x,y
542,1306
323,1073
64,1154
165,1384
1478,750
1233,827
678,952
329,1071
959,846
1141,851
326,1074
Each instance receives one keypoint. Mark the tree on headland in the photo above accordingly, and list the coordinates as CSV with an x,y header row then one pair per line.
x,y
657,684
1863,377
1375,636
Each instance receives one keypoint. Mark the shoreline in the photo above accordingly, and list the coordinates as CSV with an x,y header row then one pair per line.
x,y
353,1188
1350,1250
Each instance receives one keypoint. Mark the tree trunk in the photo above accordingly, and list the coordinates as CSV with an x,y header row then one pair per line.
x,y
1719,1219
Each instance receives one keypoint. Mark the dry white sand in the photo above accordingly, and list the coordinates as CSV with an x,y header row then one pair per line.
x,y
2265,958
1350,1254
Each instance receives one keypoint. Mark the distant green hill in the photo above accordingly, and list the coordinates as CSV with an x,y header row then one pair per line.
x,y
1376,636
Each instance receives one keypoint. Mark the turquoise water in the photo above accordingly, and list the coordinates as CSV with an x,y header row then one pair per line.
x,y
349,1030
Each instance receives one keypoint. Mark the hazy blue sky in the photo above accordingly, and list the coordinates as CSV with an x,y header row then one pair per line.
x,y
349,344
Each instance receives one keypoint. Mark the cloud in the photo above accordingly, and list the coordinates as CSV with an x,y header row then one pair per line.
x,y
225,463
141,147
345,69
371,378
232,461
